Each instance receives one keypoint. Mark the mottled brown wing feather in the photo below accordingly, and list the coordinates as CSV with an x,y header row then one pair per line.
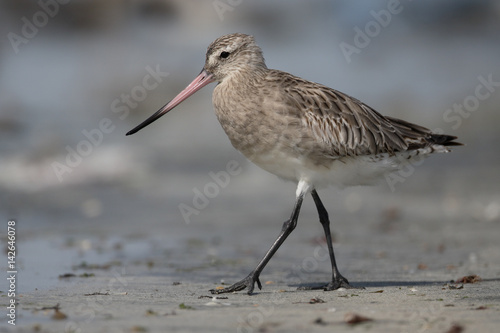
x,y
345,126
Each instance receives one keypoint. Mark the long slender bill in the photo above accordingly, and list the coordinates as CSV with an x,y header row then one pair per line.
x,y
199,82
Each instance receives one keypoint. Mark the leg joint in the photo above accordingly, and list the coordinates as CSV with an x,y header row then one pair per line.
x,y
289,225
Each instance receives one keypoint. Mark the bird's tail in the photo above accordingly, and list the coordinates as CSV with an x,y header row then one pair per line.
x,y
444,140
419,137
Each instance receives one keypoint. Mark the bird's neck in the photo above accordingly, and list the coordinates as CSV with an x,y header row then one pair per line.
x,y
247,76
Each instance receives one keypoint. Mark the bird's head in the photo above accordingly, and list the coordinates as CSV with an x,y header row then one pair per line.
x,y
228,55
233,54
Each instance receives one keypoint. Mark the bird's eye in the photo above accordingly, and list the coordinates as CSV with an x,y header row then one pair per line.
x,y
224,54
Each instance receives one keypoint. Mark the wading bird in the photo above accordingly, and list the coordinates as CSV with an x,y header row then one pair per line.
x,y
301,131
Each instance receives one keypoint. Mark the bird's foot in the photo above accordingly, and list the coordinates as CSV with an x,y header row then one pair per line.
x,y
336,283
247,282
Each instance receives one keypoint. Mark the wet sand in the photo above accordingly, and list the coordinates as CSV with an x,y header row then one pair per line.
x,y
138,267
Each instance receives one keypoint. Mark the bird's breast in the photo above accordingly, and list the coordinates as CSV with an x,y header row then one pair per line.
x,y
267,130
251,129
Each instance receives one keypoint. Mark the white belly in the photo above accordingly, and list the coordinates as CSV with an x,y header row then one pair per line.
x,y
341,172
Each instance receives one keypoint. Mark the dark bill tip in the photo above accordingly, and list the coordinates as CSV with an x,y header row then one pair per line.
x,y
199,82
148,121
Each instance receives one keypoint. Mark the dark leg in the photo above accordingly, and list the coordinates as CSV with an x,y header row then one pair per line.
x,y
338,281
253,277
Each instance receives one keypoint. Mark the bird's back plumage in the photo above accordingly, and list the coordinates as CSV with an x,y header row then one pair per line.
x,y
345,126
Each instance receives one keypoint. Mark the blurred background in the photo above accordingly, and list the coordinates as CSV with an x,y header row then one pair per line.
x,y
76,76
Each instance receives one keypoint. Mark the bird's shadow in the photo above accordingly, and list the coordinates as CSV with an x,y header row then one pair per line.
x,y
381,284
370,284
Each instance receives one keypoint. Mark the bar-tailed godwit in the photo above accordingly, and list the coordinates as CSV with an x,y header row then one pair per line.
x,y
301,131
